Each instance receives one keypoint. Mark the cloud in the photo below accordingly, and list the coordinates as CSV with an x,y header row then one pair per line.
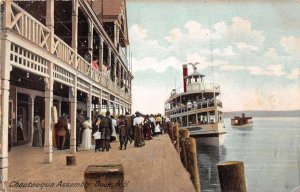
x,y
148,99
291,45
193,31
245,46
137,33
275,70
175,35
228,51
232,68
151,63
262,97
241,31
295,74
143,47
195,57
272,54
270,70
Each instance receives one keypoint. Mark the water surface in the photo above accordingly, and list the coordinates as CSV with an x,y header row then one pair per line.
x,y
270,151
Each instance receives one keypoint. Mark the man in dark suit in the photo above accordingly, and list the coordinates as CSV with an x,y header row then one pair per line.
x,y
106,131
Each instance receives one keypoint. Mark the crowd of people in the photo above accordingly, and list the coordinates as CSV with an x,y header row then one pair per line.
x,y
97,134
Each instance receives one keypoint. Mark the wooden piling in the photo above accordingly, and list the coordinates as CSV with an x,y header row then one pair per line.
x,y
171,132
176,137
192,162
232,176
71,160
184,134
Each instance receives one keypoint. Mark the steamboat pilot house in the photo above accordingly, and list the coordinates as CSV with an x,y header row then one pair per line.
x,y
197,108
60,57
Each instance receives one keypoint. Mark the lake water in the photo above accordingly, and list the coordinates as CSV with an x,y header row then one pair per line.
x,y
270,151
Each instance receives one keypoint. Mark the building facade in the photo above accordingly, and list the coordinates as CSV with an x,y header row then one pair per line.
x,y
65,56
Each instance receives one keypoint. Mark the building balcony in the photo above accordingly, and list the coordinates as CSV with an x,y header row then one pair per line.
x,y
37,56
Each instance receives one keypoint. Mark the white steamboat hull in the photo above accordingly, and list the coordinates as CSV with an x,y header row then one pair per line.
x,y
209,134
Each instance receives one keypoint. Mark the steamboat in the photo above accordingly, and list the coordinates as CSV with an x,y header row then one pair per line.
x,y
240,122
197,108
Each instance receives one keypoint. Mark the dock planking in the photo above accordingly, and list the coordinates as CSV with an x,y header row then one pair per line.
x,y
154,167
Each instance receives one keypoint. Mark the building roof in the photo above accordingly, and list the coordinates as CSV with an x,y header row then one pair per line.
x,y
111,8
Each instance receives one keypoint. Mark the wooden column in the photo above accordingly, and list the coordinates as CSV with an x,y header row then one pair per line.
x,y
73,114
120,71
31,116
90,44
115,33
73,90
109,62
130,84
122,77
100,103
75,24
49,85
114,108
187,119
100,52
59,108
115,70
89,105
5,86
108,103
118,35
5,70
232,176
208,116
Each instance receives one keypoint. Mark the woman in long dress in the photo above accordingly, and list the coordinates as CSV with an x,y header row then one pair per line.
x,y
86,143
20,134
37,134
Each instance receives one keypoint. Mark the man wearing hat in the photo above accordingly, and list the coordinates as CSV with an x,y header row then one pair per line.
x,y
106,131
123,132
128,121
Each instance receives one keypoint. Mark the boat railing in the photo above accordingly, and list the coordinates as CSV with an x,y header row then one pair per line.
x,y
208,87
194,106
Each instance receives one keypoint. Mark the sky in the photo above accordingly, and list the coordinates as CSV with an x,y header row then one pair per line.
x,y
250,48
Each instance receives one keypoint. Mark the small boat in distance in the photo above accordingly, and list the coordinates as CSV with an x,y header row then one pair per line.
x,y
241,121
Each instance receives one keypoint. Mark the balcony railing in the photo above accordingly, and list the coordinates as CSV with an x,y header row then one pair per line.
x,y
30,28
64,51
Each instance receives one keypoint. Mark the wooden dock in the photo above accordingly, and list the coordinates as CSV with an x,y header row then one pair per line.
x,y
154,167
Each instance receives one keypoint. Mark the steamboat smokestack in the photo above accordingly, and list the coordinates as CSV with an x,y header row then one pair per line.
x,y
185,74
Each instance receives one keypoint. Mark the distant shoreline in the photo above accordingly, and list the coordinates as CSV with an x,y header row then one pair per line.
x,y
292,113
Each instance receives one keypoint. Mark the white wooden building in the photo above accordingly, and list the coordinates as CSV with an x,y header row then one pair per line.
x,y
69,54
